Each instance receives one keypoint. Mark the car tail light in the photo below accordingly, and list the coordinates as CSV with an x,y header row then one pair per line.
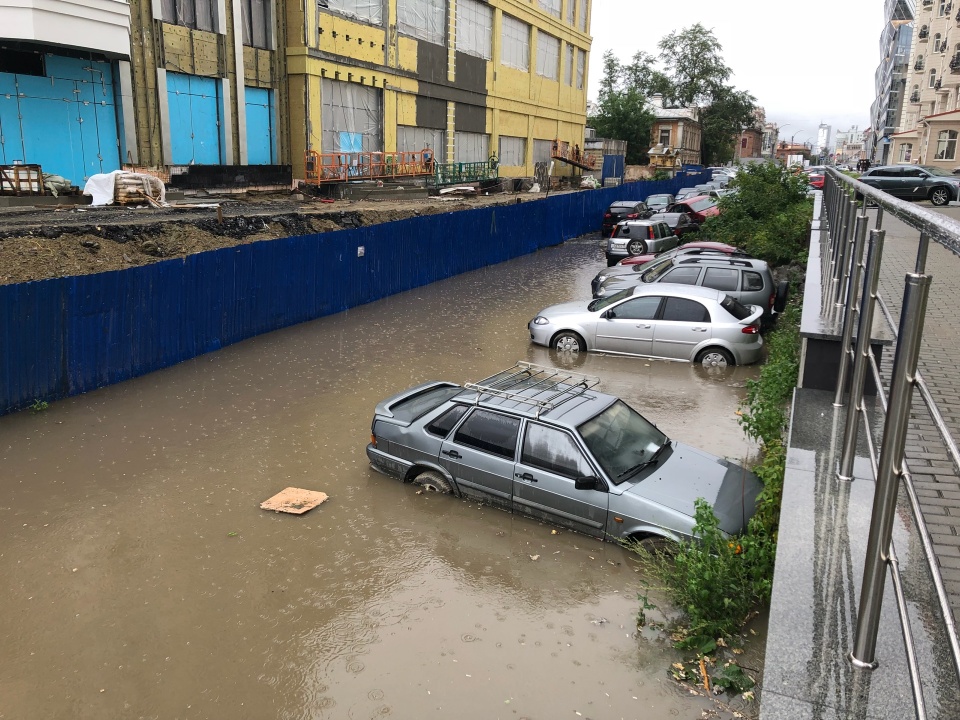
x,y
650,232
606,215
750,330
633,216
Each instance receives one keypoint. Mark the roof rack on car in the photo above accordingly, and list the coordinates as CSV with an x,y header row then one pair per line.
x,y
515,383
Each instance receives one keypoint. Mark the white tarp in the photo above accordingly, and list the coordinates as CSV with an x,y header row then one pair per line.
x,y
125,187
571,11
415,139
475,28
542,151
423,19
584,8
581,64
513,151
551,6
351,117
568,69
548,56
100,186
471,147
369,10
515,43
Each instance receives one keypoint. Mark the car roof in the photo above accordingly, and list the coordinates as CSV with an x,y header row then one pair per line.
x,y
567,404
679,290
745,262
697,197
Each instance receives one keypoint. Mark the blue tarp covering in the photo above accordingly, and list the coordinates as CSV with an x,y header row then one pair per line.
x,y
70,335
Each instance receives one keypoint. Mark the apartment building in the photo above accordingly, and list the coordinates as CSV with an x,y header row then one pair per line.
x,y
930,120
467,79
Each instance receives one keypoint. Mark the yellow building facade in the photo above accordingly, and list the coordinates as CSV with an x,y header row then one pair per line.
x,y
468,79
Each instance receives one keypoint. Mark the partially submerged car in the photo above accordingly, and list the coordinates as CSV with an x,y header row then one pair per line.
x,y
547,444
636,237
622,210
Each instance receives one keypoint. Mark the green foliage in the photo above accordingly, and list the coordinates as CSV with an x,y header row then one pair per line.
x,y
768,215
694,64
622,112
732,679
723,120
39,406
660,174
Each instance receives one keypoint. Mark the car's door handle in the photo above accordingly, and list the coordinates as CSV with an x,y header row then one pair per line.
x,y
526,476
645,327
452,453
700,329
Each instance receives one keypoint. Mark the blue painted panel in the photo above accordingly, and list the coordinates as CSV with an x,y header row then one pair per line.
x,y
52,137
194,104
11,141
60,66
260,134
8,85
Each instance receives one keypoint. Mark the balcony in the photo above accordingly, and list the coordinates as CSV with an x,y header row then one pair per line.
x,y
955,63
928,3
915,96
938,86
918,65
924,33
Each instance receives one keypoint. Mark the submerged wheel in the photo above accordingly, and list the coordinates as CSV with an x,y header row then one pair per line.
x,y
939,195
637,247
714,358
568,342
656,544
432,481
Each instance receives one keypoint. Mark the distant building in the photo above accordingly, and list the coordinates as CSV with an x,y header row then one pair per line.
x,y
890,79
823,139
675,135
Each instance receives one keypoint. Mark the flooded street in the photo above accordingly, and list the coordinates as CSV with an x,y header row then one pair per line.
x,y
141,579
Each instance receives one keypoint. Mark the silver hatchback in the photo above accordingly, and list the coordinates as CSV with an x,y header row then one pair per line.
x,y
639,237
545,443
671,322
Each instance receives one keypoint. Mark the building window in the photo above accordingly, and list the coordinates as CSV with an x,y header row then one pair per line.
x,y
946,145
584,9
548,56
568,66
370,11
906,150
542,150
936,43
942,8
515,43
933,78
475,28
196,14
423,19
665,137
550,6
415,139
581,67
351,117
471,147
571,11
256,23
513,151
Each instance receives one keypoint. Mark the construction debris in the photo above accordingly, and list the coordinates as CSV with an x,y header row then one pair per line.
x,y
294,500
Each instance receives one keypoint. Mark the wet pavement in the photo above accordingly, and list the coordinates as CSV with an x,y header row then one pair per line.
x,y
141,579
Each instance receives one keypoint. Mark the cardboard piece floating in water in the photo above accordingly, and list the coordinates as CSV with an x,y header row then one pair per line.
x,y
294,500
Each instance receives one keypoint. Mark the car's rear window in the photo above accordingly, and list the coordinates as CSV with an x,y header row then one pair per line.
x,y
622,205
704,204
735,308
752,280
410,408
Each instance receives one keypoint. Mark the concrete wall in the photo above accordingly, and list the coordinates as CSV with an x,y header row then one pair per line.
x,y
100,25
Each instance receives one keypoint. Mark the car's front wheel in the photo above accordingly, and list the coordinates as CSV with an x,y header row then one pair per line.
x,y
568,342
714,358
637,247
939,196
432,481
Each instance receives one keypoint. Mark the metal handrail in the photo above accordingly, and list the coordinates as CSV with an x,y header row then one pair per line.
x,y
840,272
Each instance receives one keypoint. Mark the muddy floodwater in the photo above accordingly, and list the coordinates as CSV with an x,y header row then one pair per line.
x,y
141,579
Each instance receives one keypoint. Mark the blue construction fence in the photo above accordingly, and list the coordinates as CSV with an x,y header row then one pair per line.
x,y
65,336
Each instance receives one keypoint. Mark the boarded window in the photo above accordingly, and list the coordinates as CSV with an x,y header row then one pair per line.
x,y
550,6
584,8
475,28
515,43
568,70
370,11
196,14
256,23
471,147
415,139
423,19
351,117
542,150
513,151
581,67
548,56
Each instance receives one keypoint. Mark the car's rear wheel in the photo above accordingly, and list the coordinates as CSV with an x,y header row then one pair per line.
x,y
637,247
568,342
432,481
780,301
940,195
714,358
656,544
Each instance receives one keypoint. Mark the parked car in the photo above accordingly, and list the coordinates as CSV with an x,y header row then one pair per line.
x,y
673,322
914,182
547,444
681,223
745,279
635,237
698,207
659,202
816,180
625,269
686,192
623,210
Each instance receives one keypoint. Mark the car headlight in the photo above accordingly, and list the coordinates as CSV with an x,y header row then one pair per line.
x,y
601,278
540,320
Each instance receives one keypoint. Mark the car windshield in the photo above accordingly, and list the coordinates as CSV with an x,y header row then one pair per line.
x,y
602,303
658,200
939,172
702,205
654,270
621,440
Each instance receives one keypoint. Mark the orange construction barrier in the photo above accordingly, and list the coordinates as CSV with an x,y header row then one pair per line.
x,y
344,167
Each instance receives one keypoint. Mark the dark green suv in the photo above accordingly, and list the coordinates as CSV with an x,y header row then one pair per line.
x,y
914,182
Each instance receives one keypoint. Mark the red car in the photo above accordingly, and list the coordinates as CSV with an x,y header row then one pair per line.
x,y
684,249
699,208
816,180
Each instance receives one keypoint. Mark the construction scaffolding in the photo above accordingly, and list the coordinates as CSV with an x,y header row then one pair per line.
x,y
343,167
573,155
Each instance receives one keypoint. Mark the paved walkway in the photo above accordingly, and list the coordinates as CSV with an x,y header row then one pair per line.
x,y
935,477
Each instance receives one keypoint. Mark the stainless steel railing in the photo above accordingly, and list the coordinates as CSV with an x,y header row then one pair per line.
x,y
842,265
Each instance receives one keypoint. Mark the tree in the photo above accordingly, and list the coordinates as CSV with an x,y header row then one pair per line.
x,y
622,111
694,65
728,113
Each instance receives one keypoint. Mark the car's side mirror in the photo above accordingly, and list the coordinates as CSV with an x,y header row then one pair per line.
x,y
588,482
608,315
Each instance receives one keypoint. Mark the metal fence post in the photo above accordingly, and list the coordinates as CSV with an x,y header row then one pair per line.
x,y
846,336
912,315
868,303
846,250
922,253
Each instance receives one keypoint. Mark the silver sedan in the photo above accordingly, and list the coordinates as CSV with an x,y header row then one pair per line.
x,y
674,322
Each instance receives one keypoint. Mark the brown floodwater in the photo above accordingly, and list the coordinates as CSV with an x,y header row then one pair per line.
x,y
141,579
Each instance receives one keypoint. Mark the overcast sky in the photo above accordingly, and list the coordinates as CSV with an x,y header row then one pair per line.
x,y
805,62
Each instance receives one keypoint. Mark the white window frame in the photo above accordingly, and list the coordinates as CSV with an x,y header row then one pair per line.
x,y
514,43
548,56
906,150
933,77
945,144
